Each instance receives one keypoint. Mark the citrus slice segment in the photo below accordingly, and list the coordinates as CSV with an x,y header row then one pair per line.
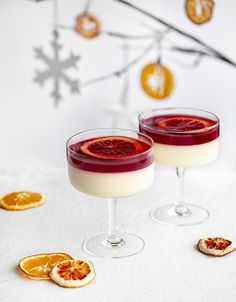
x,y
87,25
181,123
39,266
73,273
111,147
21,200
199,11
215,246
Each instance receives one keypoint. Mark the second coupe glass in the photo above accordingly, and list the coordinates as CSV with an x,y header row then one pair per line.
x,y
184,138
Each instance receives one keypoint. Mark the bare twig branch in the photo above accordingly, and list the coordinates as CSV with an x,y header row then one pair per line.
x,y
126,36
200,52
210,49
66,27
121,71
112,33
37,0
189,50
182,63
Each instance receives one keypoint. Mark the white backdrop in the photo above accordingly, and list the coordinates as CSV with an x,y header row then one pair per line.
x,y
33,132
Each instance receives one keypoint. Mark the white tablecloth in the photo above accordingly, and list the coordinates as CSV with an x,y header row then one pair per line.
x,y
168,269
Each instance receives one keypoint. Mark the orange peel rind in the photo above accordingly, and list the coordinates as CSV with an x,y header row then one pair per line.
x,y
73,273
21,200
215,246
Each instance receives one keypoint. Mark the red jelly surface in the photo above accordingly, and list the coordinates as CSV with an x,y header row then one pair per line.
x,y
180,130
78,159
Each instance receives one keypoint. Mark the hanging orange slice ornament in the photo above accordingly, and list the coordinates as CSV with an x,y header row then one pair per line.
x,y
199,11
87,25
157,81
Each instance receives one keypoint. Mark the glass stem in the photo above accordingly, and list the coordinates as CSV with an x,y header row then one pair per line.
x,y
180,206
113,240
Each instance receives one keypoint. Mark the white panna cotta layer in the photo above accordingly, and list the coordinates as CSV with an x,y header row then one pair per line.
x,y
186,156
111,185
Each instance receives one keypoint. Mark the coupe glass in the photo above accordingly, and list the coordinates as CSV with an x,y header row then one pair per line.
x,y
111,179
181,147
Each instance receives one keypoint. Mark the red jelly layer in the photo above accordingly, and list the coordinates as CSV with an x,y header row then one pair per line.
x,y
162,132
78,159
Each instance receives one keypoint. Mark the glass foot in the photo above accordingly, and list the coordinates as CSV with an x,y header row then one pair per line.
x,y
168,215
100,246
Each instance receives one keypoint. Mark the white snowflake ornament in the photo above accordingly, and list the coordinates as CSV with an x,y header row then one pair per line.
x,y
56,68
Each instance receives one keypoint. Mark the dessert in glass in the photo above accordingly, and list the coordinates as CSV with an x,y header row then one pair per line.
x,y
111,163
183,138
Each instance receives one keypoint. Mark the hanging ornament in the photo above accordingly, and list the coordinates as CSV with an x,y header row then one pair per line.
x,y
87,25
157,80
199,11
55,69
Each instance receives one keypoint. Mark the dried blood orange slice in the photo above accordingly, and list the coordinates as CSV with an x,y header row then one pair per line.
x,y
199,11
73,273
181,123
111,147
39,266
87,25
21,200
215,246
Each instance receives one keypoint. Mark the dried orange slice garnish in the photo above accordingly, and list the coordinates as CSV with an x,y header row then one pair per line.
x,y
215,246
157,81
39,266
199,11
21,200
73,273
183,123
111,147
87,25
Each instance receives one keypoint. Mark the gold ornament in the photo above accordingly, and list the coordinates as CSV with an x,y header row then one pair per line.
x,y
157,81
199,11
87,25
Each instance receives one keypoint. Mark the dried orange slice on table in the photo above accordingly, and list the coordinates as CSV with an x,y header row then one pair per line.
x,y
21,200
215,246
73,273
39,266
